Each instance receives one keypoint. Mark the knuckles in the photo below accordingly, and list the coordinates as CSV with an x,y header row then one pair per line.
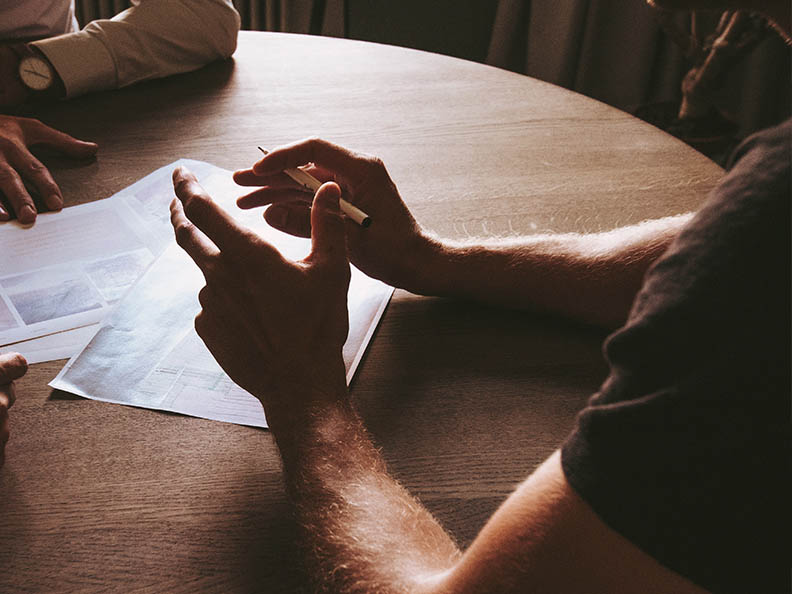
x,y
187,188
375,163
196,205
8,144
183,232
215,271
8,175
33,168
181,184
314,144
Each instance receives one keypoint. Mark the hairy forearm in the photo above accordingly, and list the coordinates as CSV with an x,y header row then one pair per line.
x,y
589,277
362,531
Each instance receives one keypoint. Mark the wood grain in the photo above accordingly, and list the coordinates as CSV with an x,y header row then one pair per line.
x,y
464,400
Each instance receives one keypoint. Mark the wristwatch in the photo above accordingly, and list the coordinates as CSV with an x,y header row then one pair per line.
x,y
37,74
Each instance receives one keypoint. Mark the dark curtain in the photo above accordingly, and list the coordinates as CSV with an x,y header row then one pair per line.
x,y
611,50
615,51
324,17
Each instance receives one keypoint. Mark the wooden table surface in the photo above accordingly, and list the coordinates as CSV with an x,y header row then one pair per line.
x,y
464,400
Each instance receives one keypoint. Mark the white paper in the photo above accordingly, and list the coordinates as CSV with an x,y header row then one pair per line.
x,y
70,268
60,345
146,352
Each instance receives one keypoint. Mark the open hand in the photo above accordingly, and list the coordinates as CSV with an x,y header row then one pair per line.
x,y
18,165
276,327
391,249
12,366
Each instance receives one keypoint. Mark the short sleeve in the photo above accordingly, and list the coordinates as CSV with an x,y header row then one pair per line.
x,y
685,449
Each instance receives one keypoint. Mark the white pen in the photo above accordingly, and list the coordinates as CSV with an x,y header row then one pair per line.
x,y
309,182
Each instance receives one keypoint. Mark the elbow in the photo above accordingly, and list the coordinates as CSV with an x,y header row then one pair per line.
x,y
227,25
217,22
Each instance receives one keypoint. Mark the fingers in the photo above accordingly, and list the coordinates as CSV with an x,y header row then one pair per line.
x,y
39,133
313,150
246,177
7,396
33,170
18,165
328,232
12,366
13,187
207,216
293,218
190,238
268,195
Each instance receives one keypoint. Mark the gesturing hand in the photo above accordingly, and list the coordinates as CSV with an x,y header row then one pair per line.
x,y
393,249
12,366
276,327
18,165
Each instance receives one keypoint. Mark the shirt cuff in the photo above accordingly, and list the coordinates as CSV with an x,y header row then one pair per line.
x,y
82,61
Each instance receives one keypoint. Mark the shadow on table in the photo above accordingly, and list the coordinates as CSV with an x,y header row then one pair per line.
x,y
466,400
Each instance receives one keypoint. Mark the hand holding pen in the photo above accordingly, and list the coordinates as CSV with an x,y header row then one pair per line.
x,y
393,249
310,183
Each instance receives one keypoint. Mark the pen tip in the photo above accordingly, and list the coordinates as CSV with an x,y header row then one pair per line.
x,y
263,150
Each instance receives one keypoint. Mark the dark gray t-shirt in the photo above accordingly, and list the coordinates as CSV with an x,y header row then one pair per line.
x,y
685,450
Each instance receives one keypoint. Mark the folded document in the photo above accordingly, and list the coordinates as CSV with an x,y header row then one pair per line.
x,y
146,352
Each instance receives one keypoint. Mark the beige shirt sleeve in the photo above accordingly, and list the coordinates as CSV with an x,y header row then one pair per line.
x,y
152,39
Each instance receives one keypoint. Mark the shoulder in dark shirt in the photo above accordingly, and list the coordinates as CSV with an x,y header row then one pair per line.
x,y
685,450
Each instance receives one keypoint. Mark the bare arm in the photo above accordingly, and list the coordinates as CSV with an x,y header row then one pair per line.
x,y
361,530
589,277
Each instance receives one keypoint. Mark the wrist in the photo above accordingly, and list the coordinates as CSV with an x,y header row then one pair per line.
x,y
36,75
430,258
293,399
307,426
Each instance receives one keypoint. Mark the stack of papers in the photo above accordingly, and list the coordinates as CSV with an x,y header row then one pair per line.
x,y
106,283
71,267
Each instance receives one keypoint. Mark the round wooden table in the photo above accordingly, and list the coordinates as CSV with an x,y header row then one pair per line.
x,y
464,400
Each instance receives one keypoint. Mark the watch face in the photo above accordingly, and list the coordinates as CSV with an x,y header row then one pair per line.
x,y
35,73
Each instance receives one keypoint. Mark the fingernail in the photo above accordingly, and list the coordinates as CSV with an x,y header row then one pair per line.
x,y
27,214
178,173
4,216
55,202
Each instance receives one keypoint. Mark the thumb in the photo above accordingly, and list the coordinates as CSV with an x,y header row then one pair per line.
x,y
12,366
328,232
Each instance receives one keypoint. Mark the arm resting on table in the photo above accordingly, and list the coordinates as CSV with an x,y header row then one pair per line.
x,y
363,532
589,277
149,40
